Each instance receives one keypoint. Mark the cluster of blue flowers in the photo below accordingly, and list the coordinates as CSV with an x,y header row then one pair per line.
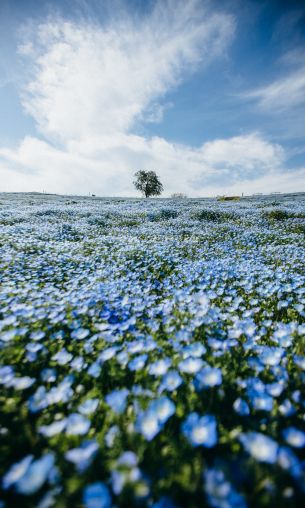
x,y
152,352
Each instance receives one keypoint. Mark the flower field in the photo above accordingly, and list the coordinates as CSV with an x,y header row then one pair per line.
x,y
152,352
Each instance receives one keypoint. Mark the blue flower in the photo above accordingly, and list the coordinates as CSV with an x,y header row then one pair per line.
x,y
48,375
16,472
171,381
82,456
269,355
77,425
122,358
39,400
61,393
33,347
160,367
37,335
260,446
110,436
190,365
128,459
289,462
196,349
125,474
275,389
286,408
54,428
36,475
148,424
27,476
164,408
261,401
6,375
88,407
294,437
62,357
117,400
97,495
207,377
22,383
137,363
108,353
219,491
80,334
8,336
200,430
241,407
164,502
299,361
94,370
78,363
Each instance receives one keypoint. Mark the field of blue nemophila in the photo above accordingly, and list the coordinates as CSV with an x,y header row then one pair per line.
x,y
152,352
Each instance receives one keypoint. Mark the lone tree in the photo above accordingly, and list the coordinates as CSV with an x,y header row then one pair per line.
x,y
148,183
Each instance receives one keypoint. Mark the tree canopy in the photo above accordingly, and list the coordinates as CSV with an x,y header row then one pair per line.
x,y
148,183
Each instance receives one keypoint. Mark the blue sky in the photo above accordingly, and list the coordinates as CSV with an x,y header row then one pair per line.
x,y
211,95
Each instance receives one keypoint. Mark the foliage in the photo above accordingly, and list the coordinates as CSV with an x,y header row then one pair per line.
x,y
206,214
276,214
148,183
163,214
228,198
178,195
151,363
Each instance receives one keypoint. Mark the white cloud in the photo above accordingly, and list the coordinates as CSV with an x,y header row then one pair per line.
x,y
246,153
98,80
282,94
90,86
273,181
107,168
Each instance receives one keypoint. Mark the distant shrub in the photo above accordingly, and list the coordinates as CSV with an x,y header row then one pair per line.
x,y
10,221
297,215
228,198
276,214
212,215
128,221
97,221
300,229
167,213
69,233
163,214
297,227
48,212
178,195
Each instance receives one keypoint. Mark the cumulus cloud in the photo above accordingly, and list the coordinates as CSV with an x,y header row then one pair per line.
x,y
244,153
99,80
91,85
106,166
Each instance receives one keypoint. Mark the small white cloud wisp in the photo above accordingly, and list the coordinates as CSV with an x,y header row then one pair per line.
x,y
286,92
